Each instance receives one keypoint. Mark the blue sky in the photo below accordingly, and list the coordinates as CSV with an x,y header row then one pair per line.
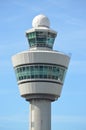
x,y
68,18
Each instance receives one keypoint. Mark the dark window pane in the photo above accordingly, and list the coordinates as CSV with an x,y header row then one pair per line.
x,y
40,71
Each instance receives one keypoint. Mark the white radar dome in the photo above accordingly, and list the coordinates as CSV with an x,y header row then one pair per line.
x,y
40,21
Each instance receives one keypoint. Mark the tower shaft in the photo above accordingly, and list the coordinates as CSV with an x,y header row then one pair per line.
x,y
40,114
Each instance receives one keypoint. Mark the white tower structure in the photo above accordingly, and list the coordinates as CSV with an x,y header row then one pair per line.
x,y
40,72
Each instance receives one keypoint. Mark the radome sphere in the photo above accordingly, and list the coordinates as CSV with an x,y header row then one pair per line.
x,y
41,21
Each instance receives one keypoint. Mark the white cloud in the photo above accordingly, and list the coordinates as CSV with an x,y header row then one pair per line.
x,y
14,118
78,67
69,119
6,91
19,3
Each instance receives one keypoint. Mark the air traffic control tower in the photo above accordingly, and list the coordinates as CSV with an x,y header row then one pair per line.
x,y
40,72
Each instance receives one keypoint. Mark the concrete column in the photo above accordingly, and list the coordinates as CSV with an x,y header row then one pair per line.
x,y
40,114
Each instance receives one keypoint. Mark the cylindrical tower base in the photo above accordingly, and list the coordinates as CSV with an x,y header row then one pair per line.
x,y
40,114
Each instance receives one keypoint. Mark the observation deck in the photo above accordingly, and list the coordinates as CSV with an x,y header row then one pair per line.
x,y
40,71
